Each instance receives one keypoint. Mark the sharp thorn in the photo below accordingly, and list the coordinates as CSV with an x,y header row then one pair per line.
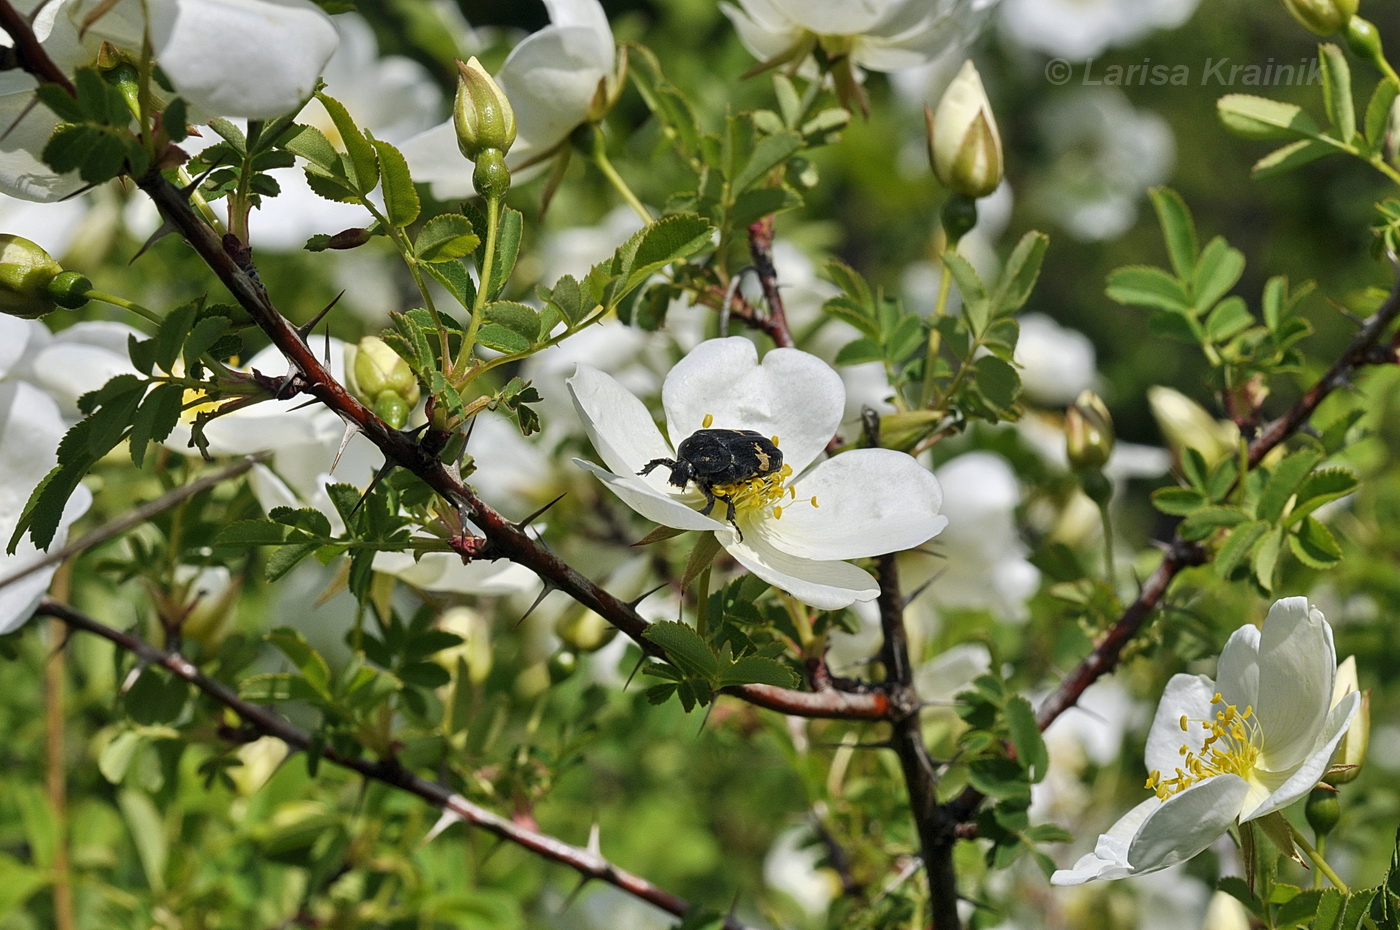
x,y
383,470
595,839
350,430
635,669
646,594
538,513
572,896
188,190
163,230
304,330
913,595
544,593
447,819
308,403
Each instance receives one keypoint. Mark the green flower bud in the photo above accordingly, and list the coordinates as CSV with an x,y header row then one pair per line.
x,y
379,378
1088,433
904,431
1321,17
1323,810
964,145
482,114
1351,751
1365,41
26,273
491,177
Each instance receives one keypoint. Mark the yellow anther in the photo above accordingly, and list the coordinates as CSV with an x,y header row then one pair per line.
x,y
777,513
708,421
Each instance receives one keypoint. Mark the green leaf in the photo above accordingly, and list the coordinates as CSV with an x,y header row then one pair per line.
x,y
660,244
18,883
1313,545
204,336
1289,157
1229,318
311,144
155,419
1321,487
1178,502
684,648
364,166
446,237
998,382
1178,228
170,335
303,657
508,234
1283,481
1217,270
998,778
758,670
1238,546
1025,736
1336,91
976,301
1261,118
1204,522
767,154
1144,286
286,557
1378,112
401,204
1019,275
148,835
666,102
509,327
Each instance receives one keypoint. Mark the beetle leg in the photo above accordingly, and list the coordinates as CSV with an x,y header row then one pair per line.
x,y
656,463
710,502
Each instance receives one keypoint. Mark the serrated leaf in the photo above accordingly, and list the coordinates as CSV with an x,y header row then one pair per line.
x,y
170,335
767,154
1178,502
1378,112
1019,275
204,336
758,670
364,166
1284,480
1288,157
286,557
446,237
401,204
976,302
1238,545
998,778
1144,286
1025,736
311,144
1260,118
1336,91
1266,556
662,243
1204,522
1217,270
998,381
1178,229
1314,545
684,648
1321,487
155,419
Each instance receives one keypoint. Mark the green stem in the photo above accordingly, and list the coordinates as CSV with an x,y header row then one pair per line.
x,y
1315,857
123,303
1109,573
605,165
935,340
483,284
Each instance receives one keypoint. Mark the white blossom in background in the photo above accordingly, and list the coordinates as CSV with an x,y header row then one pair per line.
x,y
1079,29
30,429
796,536
1251,742
979,560
1103,155
793,867
393,97
880,35
1057,362
551,80
252,58
74,361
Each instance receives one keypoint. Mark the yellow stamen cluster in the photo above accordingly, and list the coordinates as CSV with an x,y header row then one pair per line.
x,y
758,493
1231,746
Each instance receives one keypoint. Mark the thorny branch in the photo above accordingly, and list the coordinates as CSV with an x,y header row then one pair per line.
x,y
586,862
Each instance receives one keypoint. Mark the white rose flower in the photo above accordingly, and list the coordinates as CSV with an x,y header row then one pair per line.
x,y
1079,29
252,58
795,527
1248,744
881,35
550,79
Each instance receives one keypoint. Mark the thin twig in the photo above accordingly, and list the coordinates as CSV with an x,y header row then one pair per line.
x,y
586,863
775,324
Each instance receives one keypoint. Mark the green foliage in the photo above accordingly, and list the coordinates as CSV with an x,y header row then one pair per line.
x,y
93,137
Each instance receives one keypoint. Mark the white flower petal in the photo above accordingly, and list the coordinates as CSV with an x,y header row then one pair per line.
x,y
1302,780
838,17
1158,834
1185,696
792,395
550,80
1237,673
17,338
763,39
618,424
824,585
445,572
253,58
589,15
869,502
653,504
22,173
1297,663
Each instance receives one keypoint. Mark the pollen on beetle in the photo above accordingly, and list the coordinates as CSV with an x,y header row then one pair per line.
x,y
1232,746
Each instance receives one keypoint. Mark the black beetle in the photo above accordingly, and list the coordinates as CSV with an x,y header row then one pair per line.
x,y
717,457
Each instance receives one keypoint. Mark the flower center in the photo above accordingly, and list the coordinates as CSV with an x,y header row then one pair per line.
x,y
755,495
1232,746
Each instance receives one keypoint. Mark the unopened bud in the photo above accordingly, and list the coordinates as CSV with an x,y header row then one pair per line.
x,y
378,377
33,283
1185,424
1088,433
1321,17
1364,39
1351,751
963,142
905,430
1322,810
482,114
